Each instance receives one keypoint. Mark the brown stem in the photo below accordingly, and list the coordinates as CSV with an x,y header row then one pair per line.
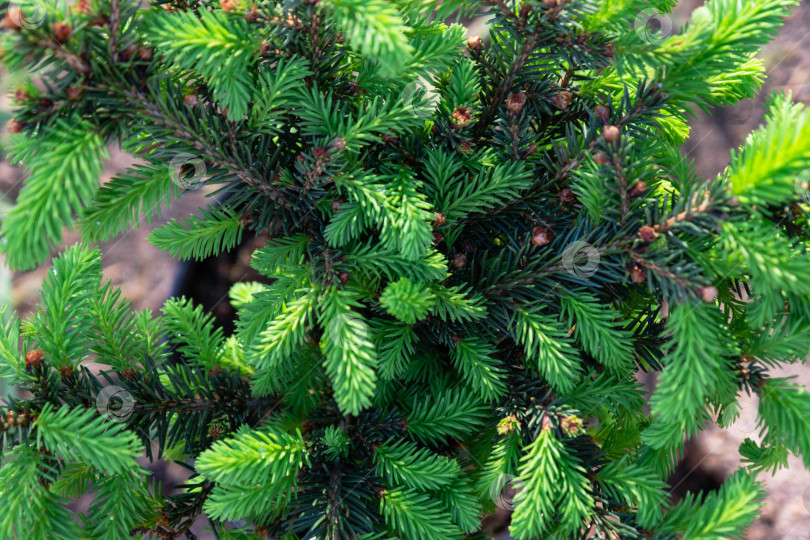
x,y
687,214
112,24
219,158
625,205
74,61
506,84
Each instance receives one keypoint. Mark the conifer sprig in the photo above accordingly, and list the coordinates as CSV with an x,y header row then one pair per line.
x,y
475,244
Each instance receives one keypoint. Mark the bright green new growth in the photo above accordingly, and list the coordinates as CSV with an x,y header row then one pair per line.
x,y
475,246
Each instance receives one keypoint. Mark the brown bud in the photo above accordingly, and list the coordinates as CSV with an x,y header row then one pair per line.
x,y
638,189
562,99
610,133
338,144
99,21
61,31
638,274
462,116
515,102
129,373
13,126
541,236
336,204
215,371
264,49
22,420
603,113
75,92
440,219
567,195
129,52
34,358
466,147
708,293
191,100
475,44
229,5
21,95
459,260
84,7
14,18
344,277
145,54
546,424
339,38
508,425
571,425
600,158
319,152
437,237
216,430
66,372
647,233
388,139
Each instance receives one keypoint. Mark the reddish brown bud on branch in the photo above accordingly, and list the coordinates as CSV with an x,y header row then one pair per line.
x,y
541,236
611,133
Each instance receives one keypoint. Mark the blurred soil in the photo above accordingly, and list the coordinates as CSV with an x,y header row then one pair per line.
x,y
714,455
